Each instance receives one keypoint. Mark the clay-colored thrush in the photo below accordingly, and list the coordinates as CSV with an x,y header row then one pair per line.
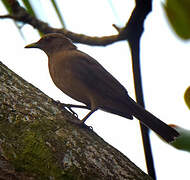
x,y
81,77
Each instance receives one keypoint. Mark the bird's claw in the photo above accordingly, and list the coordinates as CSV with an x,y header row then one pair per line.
x,y
78,122
90,128
73,112
81,124
69,107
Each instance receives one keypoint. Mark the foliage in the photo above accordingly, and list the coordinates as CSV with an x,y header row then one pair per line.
x,y
182,142
178,13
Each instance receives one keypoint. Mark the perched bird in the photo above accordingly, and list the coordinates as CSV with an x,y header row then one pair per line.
x,y
82,78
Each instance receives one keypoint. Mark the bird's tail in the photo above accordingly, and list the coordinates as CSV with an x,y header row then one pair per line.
x,y
166,132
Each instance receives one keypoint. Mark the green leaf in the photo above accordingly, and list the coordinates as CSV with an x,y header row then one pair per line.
x,y
9,9
187,97
58,13
178,13
183,141
29,7
7,6
30,10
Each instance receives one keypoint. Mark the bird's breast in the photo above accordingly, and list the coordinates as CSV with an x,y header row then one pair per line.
x,y
63,77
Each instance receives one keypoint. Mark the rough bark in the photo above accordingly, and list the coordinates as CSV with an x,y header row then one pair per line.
x,y
37,140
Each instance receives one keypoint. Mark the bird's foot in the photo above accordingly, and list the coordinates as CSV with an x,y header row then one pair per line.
x,y
90,128
80,124
76,106
75,121
68,106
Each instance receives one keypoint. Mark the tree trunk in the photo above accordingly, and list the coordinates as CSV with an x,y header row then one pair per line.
x,y
38,141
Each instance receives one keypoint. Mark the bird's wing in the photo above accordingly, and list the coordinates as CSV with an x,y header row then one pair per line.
x,y
96,77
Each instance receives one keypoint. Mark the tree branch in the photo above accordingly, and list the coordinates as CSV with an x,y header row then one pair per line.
x,y
37,139
21,15
125,33
135,29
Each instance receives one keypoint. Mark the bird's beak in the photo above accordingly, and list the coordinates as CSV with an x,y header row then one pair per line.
x,y
33,45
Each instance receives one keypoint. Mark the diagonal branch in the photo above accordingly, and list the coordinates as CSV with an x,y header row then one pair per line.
x,y
37,140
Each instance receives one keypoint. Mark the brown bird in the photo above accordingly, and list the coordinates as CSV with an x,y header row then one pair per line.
x,y
82,78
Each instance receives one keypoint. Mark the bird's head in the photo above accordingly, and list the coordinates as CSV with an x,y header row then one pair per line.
x,y
52,43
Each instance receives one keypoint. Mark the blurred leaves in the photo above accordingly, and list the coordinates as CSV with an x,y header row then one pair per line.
x,y
187,97
29,8
58,13
7,6
178,13
9,10
183,141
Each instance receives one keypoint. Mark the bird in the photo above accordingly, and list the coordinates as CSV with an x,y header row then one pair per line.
x,y
84,79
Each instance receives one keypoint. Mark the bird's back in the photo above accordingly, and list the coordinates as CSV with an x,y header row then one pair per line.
x,y
85,80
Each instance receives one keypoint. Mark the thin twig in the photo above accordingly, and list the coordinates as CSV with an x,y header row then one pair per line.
x,y
21,15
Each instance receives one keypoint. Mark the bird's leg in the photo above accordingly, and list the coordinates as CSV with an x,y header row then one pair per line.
x,y
81,123
70,106
65,105
70,109
88,115
76,106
